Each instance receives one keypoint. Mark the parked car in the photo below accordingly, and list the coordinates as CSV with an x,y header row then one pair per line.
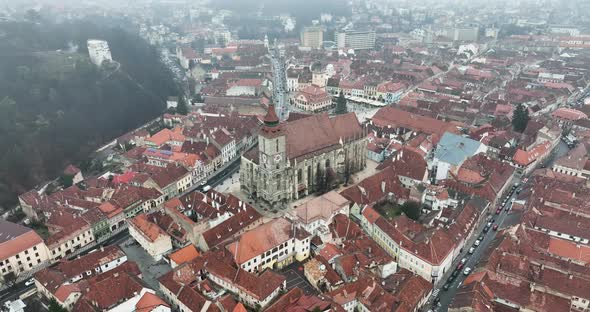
x,y
471,250
447,286
495,227
467,271
480,238
460,266
498,211
464,260
477,242
30,282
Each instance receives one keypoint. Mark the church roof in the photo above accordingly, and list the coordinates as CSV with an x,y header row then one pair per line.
x,y
320,132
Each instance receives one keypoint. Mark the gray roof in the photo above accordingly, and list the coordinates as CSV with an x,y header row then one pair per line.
x,y
454,149
9,230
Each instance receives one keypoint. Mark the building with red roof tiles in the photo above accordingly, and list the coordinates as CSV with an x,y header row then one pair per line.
x,y
521,272
96,262
150,302
172,137
117,292
575,163
226,143
365,295
52,283
150,236
526,161
70,238
170,180
382,186
183,255
426,252
21,249
393,118
313,99
253,290
277,243
567,116
296,300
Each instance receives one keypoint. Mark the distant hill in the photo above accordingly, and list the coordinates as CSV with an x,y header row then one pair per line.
x,y
56,107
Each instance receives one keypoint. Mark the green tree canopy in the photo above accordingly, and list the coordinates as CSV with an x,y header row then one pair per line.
x,y
411,209
182,108
520,118
341,104
54,306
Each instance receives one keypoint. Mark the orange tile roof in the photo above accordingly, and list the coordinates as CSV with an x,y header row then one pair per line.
x,y
166,135
109,209
184,255
570,250
261,239
149,229
239,308
371,214
524,158
15,238
149,302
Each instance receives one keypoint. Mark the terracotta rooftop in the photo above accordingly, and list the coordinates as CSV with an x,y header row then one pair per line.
x,y
15,238
146,227
261,239
185,254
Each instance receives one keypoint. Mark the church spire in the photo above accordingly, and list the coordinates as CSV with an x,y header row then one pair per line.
x,y
271,119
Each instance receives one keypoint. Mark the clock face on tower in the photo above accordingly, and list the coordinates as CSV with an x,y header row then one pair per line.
x,y
277,158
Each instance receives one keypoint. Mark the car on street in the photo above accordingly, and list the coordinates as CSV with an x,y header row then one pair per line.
x,y
464,260
30,282
460,266
471,250
480,238
467,271
436,301
498,211
495,227
477,242
447,286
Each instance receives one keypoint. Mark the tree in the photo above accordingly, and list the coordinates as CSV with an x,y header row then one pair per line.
x,y
411,209
66,180
341,104
520,118
54,306
182,108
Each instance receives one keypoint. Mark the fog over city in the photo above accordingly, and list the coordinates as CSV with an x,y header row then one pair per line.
x,y
281,156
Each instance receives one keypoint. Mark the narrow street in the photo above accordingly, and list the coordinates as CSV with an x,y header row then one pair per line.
x,y
504,220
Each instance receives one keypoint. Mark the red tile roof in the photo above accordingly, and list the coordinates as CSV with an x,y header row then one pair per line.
x,y
149,302
146,227
15,238
184,255
260,239
393,117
